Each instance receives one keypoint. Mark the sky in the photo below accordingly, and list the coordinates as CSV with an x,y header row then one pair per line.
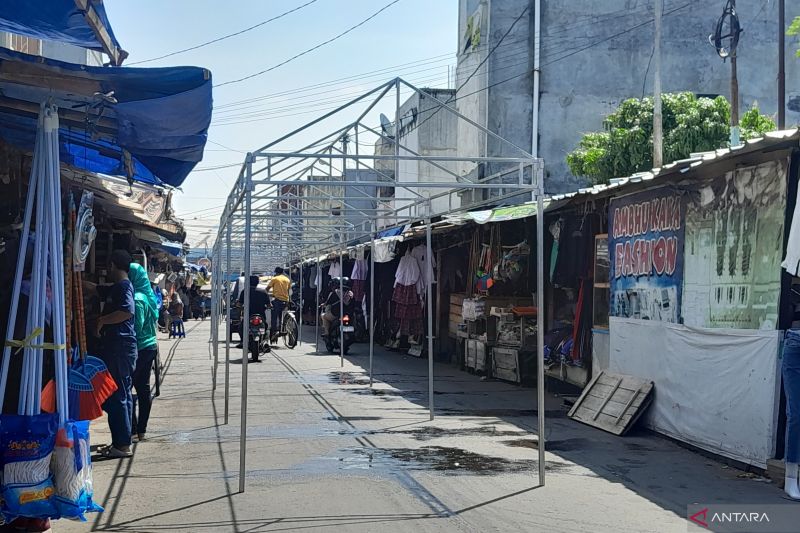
x,y
413,39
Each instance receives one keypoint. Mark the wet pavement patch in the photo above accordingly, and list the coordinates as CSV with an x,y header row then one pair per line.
x,y
347,378
565,445
429,433
523,443
432,458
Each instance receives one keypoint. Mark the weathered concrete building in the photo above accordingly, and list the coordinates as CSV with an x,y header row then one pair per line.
x,y
425,130
594,54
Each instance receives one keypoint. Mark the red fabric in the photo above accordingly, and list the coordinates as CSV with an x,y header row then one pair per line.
x,y
406,295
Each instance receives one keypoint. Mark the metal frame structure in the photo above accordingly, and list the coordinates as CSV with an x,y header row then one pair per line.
x,y
290,206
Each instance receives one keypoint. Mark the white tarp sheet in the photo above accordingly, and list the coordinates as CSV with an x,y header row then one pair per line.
x,y
714,388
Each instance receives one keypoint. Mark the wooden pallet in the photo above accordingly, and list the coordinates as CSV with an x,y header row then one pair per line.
x,y
613,402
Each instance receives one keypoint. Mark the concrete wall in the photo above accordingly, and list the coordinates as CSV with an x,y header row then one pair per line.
x,y
428,130
587,72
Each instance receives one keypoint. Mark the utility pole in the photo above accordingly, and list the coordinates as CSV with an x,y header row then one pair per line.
x,y
734,102
781,64
658,135
734,90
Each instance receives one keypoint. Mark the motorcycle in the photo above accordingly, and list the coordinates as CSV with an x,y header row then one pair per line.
x,y
343,329
258,339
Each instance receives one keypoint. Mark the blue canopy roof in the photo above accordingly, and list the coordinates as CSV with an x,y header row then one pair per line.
x,y
54,20
153,130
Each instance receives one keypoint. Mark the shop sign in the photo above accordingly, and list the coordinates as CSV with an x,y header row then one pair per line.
x,y
646,255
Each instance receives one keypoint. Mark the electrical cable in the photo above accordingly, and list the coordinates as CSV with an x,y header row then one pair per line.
x,y
224,37
562,57
734,30
309,50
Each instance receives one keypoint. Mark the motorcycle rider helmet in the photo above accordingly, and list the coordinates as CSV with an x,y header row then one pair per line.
x,y
335,283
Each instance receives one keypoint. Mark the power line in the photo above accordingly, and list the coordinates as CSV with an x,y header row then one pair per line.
x,y
308,51
305,100
228,36
249,118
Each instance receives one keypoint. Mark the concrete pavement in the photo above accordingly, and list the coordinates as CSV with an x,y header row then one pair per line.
x,y
325,452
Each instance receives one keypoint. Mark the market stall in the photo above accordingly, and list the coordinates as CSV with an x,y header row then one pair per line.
x,y
292,204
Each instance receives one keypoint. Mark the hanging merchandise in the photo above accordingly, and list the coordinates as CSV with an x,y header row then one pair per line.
x,y
513,262
384,249
408,310
336,270
26,449
72,472
484,272
85,232
555,231
359,277
28,439
426,266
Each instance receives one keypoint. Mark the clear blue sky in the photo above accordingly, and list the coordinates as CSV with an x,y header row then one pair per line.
x,y
409,31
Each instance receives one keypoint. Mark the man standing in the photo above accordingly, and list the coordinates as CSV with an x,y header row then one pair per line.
x,y
280,285
116,329
145,318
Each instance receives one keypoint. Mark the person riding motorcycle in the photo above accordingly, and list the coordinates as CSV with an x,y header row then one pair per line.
x,y
281,291
259,303
331,309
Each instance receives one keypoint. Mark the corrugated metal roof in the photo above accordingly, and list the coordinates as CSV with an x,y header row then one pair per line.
x,y
684,165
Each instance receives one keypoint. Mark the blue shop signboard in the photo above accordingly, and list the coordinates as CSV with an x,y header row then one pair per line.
x,y
645,245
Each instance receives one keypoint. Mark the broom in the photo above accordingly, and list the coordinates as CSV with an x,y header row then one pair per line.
x,y
103,384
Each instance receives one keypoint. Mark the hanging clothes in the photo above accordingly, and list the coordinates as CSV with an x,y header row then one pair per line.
x,y
792,261
313,277
555,231
360,270
426,267
408,272
384,250
408,310
336,270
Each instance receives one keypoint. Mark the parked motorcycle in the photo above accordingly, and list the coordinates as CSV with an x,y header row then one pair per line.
x,y
258,339
338,330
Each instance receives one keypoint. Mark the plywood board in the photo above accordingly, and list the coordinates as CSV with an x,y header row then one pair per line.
x,y
613,402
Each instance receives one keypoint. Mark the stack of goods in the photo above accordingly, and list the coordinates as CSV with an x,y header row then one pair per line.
x,y
44,456
473,308
408,307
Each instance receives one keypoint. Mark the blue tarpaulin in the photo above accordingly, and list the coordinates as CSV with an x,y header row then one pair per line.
x,y
393,232
161,115
54,20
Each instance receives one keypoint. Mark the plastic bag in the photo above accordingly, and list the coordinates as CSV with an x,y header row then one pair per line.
x,y
26,449
72,472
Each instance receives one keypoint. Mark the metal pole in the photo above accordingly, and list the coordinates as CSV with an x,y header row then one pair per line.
x,y
734,101
658,136
429,304
317,281
540,326
341,305
300,322
781,64
215,318
372,300
228,331
245,321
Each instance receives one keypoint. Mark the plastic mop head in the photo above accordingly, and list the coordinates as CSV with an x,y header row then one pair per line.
x,y
26,447
72,472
